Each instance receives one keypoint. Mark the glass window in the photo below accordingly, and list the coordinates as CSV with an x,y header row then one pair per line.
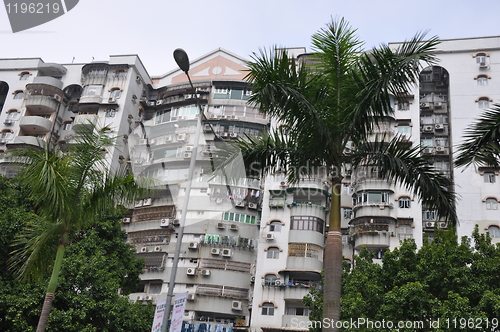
x,y
482,80
307,223
67,125
13,115
155,288
404,202
273,253
404,130
494,231
24,76
110,113
270,280
489,177
275,226
268,309
428,215
403,106
19,95
404,232
115,94
483,103
347,213
491,204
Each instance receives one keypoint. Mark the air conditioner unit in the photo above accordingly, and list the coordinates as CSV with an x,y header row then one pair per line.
x,y
176,222
439,126
213,116
159,102
165,222
193,245
157,248
240,204
227,252
58,98
253,206
8,121
233,227
224,135
187,155
207,128
442,224
147,201
440,149
215,251
205,272
429,224
428,129
143,141
140,298
151,103
144,249
220,225
191,297
189,148
126,220
236,306
438,104
270,236
149,298
233,135
181,137
252,279
282,184
168,138
483,64
152,142
427,151
424,105
191,271
187,97
111,100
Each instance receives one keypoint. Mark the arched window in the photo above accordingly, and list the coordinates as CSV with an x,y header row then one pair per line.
x,y
483,102
115,93
491,204
24,76
275,226
273,253
110,113
482,80
404,202
494,231
270,279
13,115
268,309
19,94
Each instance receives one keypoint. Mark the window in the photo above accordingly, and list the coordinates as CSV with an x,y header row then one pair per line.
x,y
494,231
428,215
115,94
307,223
426,142
67,125
404,130
297,311
6,135
491,204
275,226
481,58
404,232
92,90
403,106
268,309
110,113
404,202
24,76
155,288
273,253
270,279
347,213
305,250
19,95
483,102
373,197
231,93
231,216
489,177
13,115
482,80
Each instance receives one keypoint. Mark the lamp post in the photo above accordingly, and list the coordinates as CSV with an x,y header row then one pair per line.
x,y
182,60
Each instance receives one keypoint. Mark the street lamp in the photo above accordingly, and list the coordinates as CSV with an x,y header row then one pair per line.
x,y
182,60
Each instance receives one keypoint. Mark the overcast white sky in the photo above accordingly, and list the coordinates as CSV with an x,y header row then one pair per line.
x,y
154,28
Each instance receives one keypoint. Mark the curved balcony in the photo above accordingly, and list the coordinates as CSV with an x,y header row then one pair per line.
x,y
307,236
374,233
313,209
83,121
374,209
23,141
365,184
47,80
42,103
373,240
36,124
304,264
51,69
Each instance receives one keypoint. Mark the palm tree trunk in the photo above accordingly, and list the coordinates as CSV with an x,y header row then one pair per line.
x,y
333,264
51,288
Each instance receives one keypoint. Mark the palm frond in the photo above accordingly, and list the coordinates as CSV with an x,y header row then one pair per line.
x,y
411,169
481,145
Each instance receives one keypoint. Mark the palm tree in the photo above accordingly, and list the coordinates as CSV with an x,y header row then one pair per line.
x,y
72,190
481,146
335,99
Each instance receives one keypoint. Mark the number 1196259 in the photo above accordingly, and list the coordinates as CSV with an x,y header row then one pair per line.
x,y
32,8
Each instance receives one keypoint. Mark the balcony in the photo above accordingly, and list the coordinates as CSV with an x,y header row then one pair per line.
x,y
47,80
292,321
35,124
42,103
366,183
373,239
83,121
304,264
373,209
23,141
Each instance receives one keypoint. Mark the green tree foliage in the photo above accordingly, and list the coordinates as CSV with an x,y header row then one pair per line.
x,y
455,286
98,271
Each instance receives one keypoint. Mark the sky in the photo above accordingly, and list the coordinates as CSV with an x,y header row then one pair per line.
x,y
95,29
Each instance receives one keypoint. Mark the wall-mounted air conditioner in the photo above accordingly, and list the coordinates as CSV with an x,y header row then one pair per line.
x,y
126,220
253,206
270,236
233,227
236,305
429,224
191,271
215,251
144,249
157,249
220,225
205,272
191,297
227,252
439,126
193,245
165,222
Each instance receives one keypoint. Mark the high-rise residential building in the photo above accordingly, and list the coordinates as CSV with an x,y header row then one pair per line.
x,y
251,248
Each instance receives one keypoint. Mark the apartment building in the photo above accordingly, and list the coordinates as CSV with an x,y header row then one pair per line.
x,y
252,248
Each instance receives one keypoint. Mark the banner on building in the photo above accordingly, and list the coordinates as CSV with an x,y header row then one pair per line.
x,y
178,312
158,319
